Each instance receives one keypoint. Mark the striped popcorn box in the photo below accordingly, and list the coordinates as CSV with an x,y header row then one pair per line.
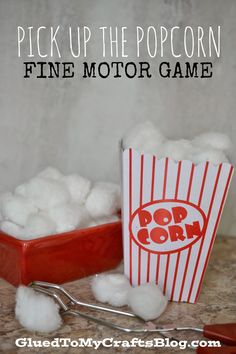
x,y
171,211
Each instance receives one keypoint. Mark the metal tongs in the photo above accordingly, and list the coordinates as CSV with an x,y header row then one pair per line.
x,y
225,333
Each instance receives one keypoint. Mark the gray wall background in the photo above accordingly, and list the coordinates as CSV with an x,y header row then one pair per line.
x,y
76,124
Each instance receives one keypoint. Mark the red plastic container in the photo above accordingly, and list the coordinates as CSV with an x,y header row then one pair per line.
x,y
63,257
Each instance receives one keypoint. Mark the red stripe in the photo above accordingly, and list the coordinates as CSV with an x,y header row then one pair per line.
x,y
190,182
185,273
203,183
166,274
130,213
140,204
177,260
175,276
153,177
165,179
163,197
148,268
190,248
152,198
215,229
203,238
157,268
178,178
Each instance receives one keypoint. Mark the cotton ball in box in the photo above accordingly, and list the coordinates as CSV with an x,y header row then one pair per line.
x,y
68,216
46,193
21,190
12,229
175,149
213,140
208,154
147,301
36,312
145,137
111,288
107,220
17,209
50,172
103,200
113,188
39,225
78,187
103,220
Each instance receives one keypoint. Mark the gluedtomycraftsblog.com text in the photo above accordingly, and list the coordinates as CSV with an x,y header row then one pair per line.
x,y
119,52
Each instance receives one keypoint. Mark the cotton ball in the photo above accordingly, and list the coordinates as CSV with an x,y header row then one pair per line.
x,y
111,288
107,220
50,172
47,193
103,220
113,188
21,190
207,154
102,201
68,216
39,225
78,187
213,140
12,229
92,223
17,209
84,216
4,197
147,301
36,312
176,149
145,137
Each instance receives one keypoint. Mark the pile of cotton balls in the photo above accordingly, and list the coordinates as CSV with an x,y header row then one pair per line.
x,y
147,138
52,203
146,301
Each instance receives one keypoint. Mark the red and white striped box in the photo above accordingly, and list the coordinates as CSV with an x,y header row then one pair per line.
x,y
171,211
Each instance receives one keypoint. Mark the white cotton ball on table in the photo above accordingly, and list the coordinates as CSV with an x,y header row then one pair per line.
x,y
50,172
213,140
207,154
39,225
17,209
147,301
12,229
111,288
145,137
36,312
68,216
175,149
102,201
47,193
78,187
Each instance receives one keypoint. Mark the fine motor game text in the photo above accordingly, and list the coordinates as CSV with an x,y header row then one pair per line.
x,y
140,52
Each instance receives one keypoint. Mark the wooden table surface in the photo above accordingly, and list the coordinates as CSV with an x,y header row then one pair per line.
x,y
216,304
